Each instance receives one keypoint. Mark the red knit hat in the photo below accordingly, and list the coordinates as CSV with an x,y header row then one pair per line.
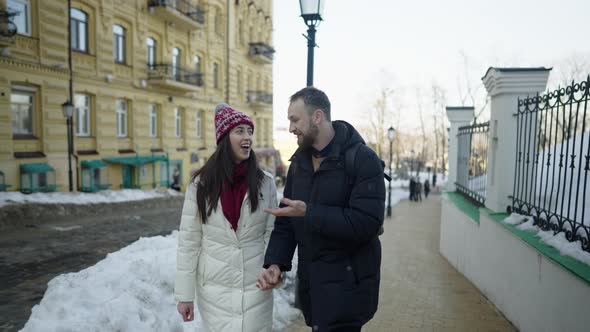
x,y
226,118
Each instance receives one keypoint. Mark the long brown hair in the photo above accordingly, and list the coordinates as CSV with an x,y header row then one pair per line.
x,y
217,172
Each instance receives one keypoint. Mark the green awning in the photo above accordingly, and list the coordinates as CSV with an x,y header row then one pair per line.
x,y
135,161
93,164
36,168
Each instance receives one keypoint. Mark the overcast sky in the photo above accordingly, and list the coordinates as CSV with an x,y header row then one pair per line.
x,y
408,45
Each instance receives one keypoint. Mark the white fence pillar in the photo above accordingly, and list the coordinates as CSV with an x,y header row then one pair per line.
x,y
458,117
504,86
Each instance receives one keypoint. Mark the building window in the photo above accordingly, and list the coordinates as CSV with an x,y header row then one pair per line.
x,y
241,33
151,51
143,172
197,61
23,19
216,76
82,114
268,133
22,105
153,120
178,121
199,123
119,41
239,82
79,30
217,21
175,62
121,118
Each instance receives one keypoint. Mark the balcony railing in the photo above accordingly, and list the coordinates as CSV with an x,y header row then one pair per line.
x,y
167,74
7,28
182,7
261,52
259,97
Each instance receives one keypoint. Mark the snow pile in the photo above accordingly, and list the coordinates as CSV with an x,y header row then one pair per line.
x,y
104,196
131,290
558,241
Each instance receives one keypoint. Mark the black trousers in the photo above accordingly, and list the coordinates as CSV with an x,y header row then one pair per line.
x,y
347,329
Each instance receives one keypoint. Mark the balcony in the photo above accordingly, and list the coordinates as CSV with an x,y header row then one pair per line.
x,y
7,28
180,12
168,76
261,53
259,98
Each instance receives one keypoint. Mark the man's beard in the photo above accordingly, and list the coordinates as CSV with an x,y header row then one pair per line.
x,y
307,140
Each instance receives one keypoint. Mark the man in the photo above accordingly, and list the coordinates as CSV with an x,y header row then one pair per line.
x,y
333,217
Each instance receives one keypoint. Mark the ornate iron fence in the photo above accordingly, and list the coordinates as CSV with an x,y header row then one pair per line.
x,y
553,160
259,97
261,49
184,7
179,74
472,162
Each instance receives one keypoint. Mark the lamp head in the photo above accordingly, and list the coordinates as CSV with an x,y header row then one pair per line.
x,y
311,11
391,133
68,109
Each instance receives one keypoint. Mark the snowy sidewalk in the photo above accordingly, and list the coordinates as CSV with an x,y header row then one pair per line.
x,y
420,290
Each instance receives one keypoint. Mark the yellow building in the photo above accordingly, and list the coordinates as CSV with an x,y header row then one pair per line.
x,y
146,76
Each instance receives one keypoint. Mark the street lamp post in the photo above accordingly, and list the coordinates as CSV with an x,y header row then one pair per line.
x,y
391,136
412,162
311,12
68,110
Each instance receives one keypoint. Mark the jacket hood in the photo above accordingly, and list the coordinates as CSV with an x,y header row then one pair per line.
x,y
345,136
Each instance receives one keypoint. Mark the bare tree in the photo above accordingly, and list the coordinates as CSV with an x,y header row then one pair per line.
x,y
379,116
471,94
423,155
439,101
575,68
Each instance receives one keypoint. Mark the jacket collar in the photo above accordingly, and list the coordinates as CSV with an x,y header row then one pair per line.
x,y
342,134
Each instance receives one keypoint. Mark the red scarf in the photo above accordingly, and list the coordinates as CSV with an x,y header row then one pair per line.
x,y
233,196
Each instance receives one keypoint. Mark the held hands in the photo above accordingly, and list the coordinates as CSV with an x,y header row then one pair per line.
x,y
293,209
186,310
269,278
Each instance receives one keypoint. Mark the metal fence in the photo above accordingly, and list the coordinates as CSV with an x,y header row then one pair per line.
x,y
472,162
553,160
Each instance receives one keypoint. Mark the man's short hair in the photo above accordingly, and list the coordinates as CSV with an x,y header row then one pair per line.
x,y
313,99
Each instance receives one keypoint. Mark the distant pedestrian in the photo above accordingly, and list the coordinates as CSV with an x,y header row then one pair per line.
x,y
433,181
223,233
426,188
418,192
412,188
175,180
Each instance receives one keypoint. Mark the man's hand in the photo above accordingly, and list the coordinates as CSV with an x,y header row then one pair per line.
x,y
269,278
293,209
186,310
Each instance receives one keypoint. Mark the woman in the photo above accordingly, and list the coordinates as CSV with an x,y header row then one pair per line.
x,y
224,232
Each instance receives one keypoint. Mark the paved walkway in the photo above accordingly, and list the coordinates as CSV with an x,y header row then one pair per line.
x,y
420,290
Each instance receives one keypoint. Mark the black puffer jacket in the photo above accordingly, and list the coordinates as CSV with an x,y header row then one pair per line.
x,y
338,246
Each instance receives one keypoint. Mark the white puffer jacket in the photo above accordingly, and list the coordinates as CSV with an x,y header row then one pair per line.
x,y
221,266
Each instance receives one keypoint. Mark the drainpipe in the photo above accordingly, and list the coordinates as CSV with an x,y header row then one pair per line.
x,y
227,53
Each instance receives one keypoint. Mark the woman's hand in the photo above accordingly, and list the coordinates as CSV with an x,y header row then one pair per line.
x,y
186,310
